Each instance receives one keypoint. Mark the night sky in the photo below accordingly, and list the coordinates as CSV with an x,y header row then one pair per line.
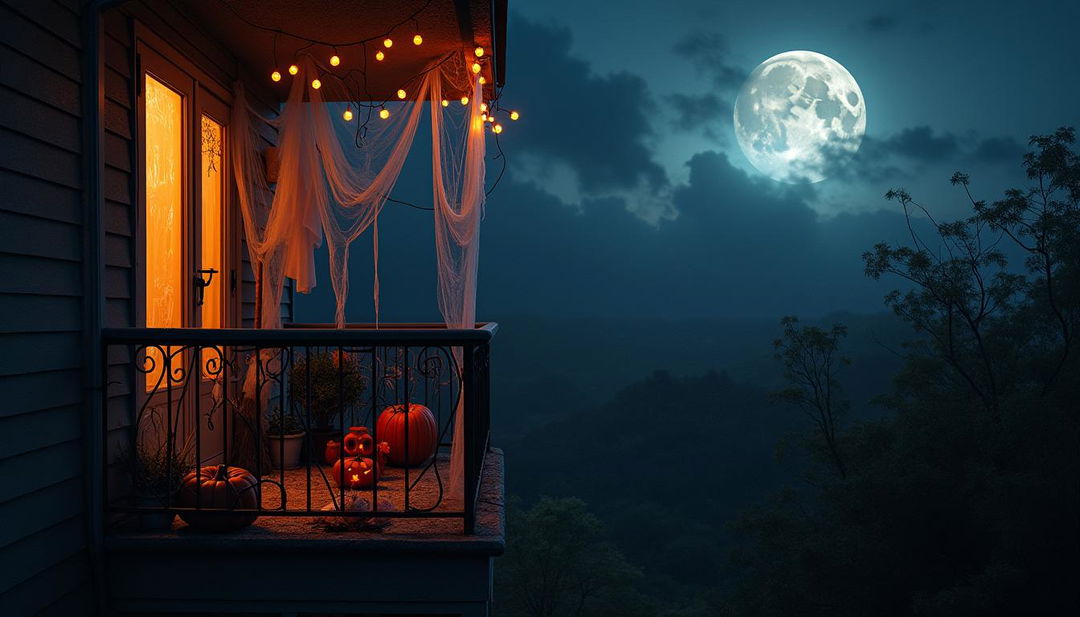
x,y
626,193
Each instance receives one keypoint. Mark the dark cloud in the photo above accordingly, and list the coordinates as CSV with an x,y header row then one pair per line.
x,y
880,23
708,52
904,153
997,150
921,144
598,125
693,112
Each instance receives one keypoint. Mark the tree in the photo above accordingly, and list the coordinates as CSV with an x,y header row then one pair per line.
x,y
811,362
557,563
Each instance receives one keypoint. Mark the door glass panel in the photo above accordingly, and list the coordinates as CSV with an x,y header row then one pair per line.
x,y
213,189
164,214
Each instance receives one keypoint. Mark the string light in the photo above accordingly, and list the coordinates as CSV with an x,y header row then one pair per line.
x,y
445,102
417,40
316,84
483,107
293,69
276,76
387,43
482,80
483,117
475,67
401,94
464,100
384,113
514,115
335,60
497,128
347,115
479,51
379,55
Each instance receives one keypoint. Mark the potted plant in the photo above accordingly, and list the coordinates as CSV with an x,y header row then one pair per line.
x,y
286,437
156,479
336,383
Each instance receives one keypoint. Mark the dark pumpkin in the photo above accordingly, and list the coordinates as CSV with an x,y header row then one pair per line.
x,y
215,490
423,434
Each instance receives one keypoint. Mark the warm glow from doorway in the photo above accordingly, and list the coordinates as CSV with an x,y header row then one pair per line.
x,y
213,239
164,212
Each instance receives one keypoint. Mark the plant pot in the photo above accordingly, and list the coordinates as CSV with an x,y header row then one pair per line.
x,y
292,447
154,521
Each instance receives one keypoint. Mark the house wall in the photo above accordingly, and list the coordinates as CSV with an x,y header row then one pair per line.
x,y
43,560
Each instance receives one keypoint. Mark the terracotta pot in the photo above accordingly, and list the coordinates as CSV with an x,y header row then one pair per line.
x,y
293,445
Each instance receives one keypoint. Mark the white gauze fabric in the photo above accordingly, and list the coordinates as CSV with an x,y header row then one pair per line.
x,y
325,190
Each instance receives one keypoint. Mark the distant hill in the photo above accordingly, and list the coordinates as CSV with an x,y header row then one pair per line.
x,y
666,464
545,368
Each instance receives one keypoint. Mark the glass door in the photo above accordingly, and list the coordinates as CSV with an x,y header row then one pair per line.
x,y
184,232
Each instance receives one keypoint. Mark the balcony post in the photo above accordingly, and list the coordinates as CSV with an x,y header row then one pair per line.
x,y
469,416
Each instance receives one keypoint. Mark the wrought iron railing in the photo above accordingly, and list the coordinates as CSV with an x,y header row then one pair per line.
x,y
376,407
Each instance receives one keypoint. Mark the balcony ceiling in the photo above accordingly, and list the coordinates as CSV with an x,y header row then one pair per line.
x,y
246,27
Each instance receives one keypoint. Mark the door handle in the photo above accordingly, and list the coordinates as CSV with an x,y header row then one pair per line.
x,y
202,283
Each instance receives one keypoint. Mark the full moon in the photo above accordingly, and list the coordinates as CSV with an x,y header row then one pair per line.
x,y
797,114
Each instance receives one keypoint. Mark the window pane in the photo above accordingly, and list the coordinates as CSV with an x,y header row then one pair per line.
x,y
213,192
164,212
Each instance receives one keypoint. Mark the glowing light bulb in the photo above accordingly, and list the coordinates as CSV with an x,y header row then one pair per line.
x,y
379,55
384,113
347,115
316,84
335,60
475,67
387,43
514,115
483,117
483,107
490,118
276,76
401,94
497,128
418,40
293,69
479,51
445,102
464,100
482,80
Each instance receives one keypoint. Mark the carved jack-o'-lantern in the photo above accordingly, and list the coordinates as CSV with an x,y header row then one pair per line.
x,y
358,442
357,472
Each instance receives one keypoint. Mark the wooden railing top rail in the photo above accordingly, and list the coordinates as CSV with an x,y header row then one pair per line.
x,y
308,334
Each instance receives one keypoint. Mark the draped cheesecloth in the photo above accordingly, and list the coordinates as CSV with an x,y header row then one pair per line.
x,y
325,190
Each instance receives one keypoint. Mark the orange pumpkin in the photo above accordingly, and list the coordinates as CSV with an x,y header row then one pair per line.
x,y
216,489
423,434
358,472
358,442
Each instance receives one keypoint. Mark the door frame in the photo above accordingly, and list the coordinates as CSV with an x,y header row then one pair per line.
x,y
202,94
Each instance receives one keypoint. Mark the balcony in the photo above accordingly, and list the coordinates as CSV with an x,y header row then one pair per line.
x,y
312,541
317,417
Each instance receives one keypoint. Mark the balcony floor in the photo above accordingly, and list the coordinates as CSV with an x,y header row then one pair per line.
x,y
398,534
